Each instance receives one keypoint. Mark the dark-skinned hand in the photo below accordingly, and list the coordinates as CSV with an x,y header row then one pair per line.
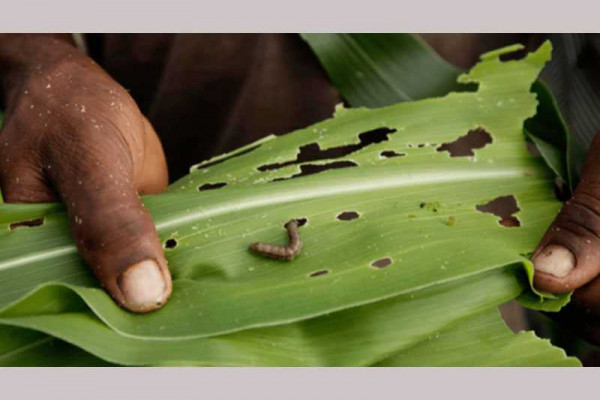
x,y
568,256
73,134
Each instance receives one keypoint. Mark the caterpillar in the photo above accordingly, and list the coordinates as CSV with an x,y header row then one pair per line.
x,y
281,252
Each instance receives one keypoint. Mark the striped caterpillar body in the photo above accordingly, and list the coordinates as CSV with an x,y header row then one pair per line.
x,y
281,252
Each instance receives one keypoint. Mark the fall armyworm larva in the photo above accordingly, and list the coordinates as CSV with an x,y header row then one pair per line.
x,y
281,252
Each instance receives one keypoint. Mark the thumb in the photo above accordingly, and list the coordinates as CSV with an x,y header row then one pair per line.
x,y
568,256
113,231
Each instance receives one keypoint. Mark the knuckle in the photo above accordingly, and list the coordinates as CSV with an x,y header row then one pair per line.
x,y
582,215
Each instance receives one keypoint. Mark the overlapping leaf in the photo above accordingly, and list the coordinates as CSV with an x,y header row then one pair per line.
x,y
414,206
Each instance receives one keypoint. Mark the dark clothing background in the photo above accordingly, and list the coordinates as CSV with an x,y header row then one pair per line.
x,y
207,94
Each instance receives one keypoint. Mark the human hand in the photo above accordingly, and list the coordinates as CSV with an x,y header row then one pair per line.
x,y
568,256
74,134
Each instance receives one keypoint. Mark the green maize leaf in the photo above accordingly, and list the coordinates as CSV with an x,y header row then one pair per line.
x,y
481,340
552,136
375,70
25,348
361,336
421,231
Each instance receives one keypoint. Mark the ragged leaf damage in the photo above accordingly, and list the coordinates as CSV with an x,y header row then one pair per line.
x,y
219,285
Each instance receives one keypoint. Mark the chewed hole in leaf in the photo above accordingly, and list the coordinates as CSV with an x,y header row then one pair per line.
x,y
513,55
391,154
320,272
241,153
300,221
464,145
348,216
29,223
310,169
313,152
170,243
503,207
382,263
210,186
467,87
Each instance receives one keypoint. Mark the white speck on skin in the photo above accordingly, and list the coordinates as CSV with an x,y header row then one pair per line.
x,y
48,86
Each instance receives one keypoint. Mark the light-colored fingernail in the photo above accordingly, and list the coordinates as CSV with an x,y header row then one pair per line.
x,y
143,286
554,260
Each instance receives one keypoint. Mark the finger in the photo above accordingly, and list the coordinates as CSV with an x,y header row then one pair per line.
x,y
24,185
153,176
568,256
113,231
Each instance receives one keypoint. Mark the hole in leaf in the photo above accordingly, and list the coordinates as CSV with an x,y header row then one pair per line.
x,y
513,55
391,154
210,186
319,273
467,87
382,263
170,243
29,223
313,152
502,207
464,145
310,169
300,221
241,153
348,216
